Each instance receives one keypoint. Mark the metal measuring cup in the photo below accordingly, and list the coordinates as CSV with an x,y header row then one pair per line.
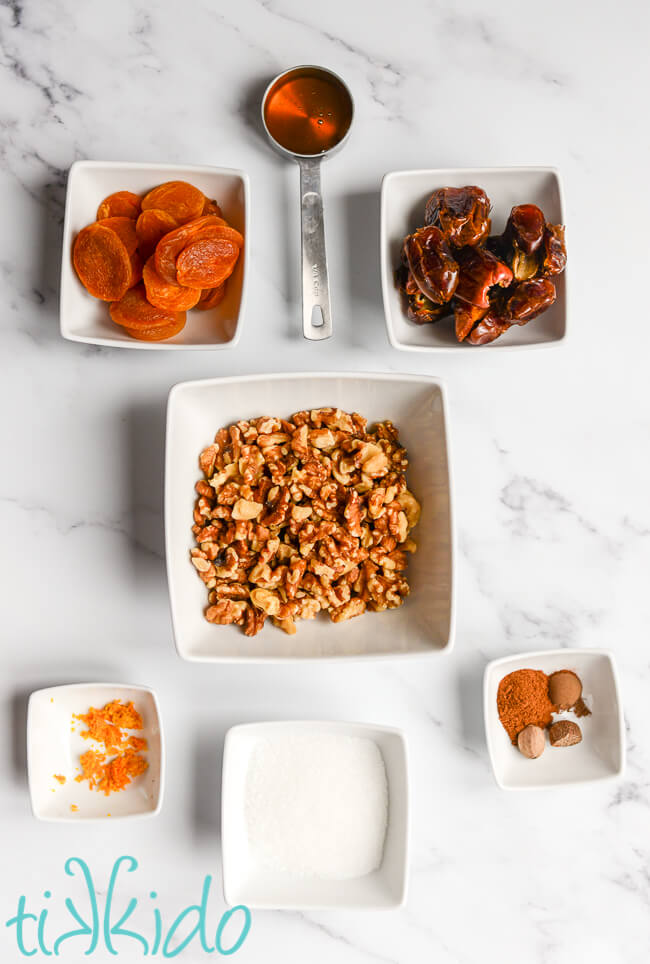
x,y
316,311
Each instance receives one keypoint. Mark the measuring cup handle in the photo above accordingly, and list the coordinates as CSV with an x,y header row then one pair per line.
x,y
315,282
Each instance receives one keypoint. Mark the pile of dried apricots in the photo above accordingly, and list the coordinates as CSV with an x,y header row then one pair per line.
x,y
153,258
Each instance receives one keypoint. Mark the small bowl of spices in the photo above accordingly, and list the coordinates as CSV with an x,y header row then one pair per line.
x,y
553,718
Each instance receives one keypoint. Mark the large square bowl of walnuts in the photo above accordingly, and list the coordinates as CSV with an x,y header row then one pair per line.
x,y
308,516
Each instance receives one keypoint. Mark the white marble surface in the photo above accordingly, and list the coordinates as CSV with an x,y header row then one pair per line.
x,y
550,449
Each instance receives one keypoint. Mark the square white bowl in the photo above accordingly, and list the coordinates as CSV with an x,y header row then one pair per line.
x,y
403,197
417,406
247,882
86,319
600,755
53,746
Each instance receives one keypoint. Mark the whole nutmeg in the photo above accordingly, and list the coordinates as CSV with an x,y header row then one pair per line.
x,y
564,689
564,733
531,741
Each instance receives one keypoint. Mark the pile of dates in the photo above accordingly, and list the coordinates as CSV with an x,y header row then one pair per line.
x,y
452,266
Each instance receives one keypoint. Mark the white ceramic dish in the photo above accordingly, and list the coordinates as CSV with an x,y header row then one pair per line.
x,y
403,197
417,405
245,881
54,745
84,318
600,755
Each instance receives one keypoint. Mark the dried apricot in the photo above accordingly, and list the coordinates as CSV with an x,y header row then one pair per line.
x,y
102,262
231,234
182,200
136,269
160,333
167,296
122,204
211,207
207,263
124,229
134,312
211,297
169,247
151,226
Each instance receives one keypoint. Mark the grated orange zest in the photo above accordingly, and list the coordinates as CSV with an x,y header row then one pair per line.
x,y
105,727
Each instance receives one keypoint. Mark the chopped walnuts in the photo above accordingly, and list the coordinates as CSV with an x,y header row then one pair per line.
x,y
302,515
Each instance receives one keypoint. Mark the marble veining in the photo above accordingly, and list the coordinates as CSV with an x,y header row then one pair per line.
x,y
549,449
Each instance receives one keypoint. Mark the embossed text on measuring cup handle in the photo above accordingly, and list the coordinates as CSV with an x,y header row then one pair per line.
x,y
317,319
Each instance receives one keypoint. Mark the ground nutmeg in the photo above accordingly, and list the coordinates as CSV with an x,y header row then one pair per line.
x,y
522,700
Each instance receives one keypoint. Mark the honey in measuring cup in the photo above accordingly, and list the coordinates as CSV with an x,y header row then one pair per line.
x,y
307,112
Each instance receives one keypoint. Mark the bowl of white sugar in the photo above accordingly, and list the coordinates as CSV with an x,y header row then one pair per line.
x,y
314,815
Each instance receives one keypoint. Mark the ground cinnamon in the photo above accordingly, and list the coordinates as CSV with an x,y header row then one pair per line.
x,y
522,699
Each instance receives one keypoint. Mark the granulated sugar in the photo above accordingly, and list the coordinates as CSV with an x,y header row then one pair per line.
x,y
317,804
